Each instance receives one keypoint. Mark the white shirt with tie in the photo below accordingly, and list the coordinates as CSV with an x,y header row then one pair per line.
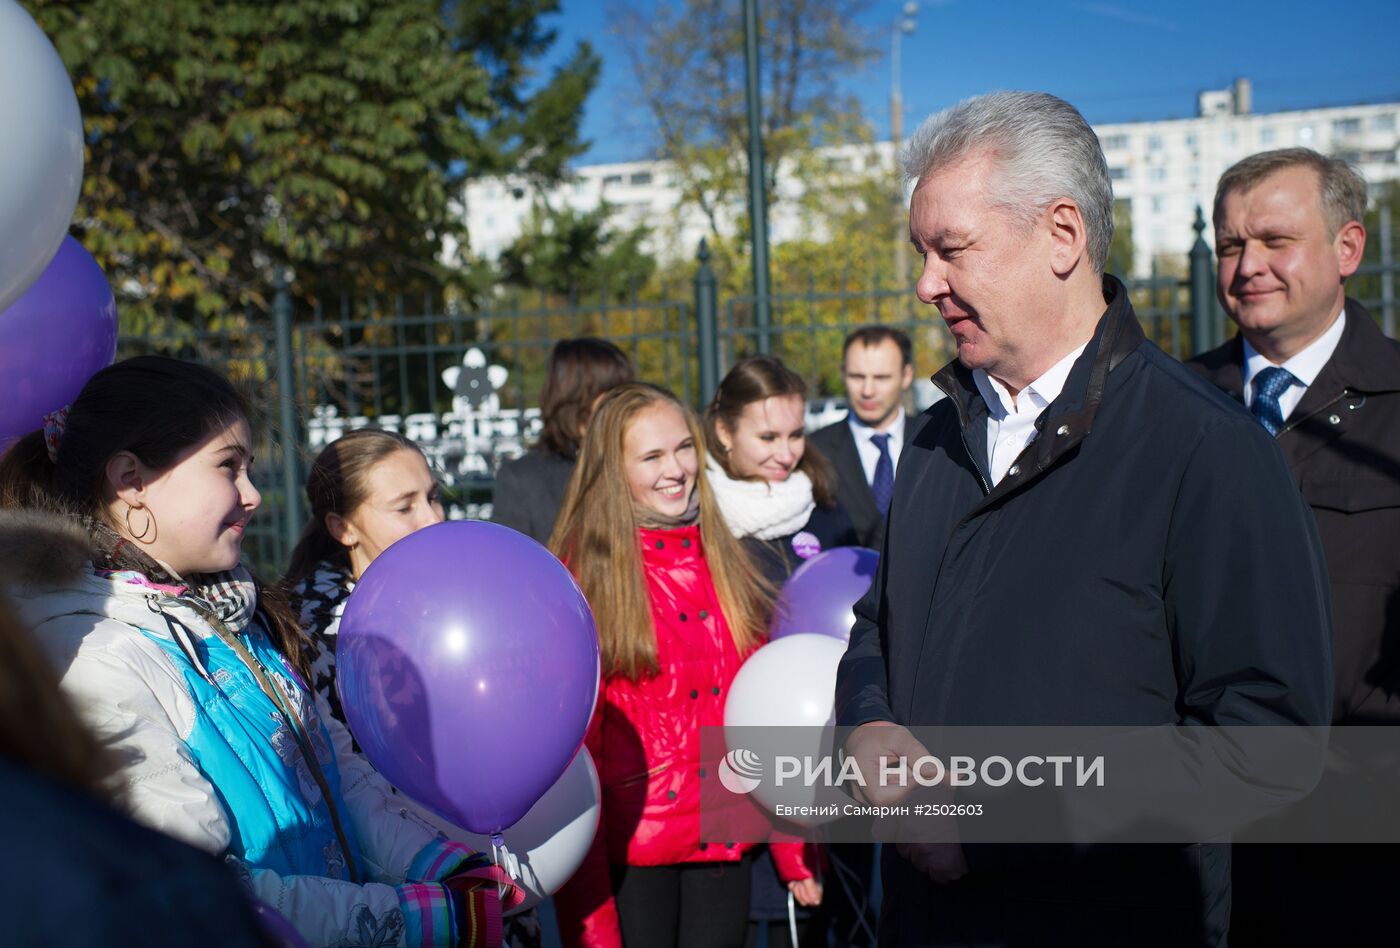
x,y
1011,424
1304,366
869,453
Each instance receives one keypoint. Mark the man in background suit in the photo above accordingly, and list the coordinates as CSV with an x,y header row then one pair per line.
x,y
877,364
878,367
1316,371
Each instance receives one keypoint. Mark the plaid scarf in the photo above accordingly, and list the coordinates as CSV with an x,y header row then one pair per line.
x,y
318,600
231,595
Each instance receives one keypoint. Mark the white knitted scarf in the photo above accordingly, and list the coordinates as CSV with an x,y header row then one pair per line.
x,y
763,509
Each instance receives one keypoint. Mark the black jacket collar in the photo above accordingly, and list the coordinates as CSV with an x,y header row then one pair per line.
x,y
1071,415
1365,361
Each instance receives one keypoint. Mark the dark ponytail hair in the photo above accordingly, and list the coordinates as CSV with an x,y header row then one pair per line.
x,y
155,407
338,483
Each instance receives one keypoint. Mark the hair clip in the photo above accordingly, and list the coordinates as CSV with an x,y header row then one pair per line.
x,y
55,423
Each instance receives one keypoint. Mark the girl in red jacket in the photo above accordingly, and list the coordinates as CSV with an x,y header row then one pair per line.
x,y
678,605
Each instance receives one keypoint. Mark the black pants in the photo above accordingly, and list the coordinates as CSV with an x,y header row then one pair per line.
x,y
701,905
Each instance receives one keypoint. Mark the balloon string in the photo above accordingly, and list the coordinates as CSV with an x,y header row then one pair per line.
x,y
499,856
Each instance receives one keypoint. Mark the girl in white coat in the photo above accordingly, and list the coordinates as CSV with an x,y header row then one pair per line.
x,y
196,678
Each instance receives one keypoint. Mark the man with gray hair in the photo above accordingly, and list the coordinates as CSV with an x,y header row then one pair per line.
x,y
1316,371
1058,540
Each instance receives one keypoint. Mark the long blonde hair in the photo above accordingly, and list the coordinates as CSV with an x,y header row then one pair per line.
x,y
596,534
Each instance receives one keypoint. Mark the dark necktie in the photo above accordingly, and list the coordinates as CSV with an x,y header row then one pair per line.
x,y
883,484
1269,384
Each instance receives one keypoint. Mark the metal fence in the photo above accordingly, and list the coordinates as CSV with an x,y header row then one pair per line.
x,y
462,382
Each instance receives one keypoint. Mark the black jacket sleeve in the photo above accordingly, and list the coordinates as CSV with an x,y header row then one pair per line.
x,y
510,504
862,693
1245,586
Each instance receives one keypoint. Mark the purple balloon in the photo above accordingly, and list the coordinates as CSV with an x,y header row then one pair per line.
x,y
275,925
53,338
467,663
821,593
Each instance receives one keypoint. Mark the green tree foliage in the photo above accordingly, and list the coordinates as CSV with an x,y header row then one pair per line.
x,y
688,63
1368,285
576,254
1120,251
228,139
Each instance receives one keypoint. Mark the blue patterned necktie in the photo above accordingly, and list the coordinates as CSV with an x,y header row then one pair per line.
x,y
883,484
1269,384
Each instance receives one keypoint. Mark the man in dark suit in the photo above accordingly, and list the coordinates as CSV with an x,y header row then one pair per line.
x,y
1317,373
877,364
1057,549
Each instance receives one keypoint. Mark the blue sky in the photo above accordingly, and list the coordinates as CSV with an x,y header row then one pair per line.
x,y
1117,61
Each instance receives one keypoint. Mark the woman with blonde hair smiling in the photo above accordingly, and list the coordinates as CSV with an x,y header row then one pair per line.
x,y
678,605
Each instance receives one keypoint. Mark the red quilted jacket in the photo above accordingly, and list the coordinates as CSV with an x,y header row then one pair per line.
x,y
645,739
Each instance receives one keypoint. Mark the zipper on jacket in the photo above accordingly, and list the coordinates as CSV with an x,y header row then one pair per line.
x,y
1317,411
298,733
982,479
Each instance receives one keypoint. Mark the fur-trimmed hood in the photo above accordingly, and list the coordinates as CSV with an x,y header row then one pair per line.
x,y
42,550
46,572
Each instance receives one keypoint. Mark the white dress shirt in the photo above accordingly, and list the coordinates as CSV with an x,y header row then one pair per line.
x,y
1304,366
869,454
1011,426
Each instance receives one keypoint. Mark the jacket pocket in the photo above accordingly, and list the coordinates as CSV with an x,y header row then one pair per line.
x,y
1352,494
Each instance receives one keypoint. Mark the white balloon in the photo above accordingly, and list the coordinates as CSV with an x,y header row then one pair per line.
x,y
546,847
41,151
789,683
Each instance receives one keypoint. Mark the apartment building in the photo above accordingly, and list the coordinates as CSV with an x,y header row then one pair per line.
x,y
1162,169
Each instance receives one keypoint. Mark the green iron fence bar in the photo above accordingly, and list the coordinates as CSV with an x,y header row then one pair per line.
x,y
389,352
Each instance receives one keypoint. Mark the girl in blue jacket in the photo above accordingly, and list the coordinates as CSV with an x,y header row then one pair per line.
x,y
196,679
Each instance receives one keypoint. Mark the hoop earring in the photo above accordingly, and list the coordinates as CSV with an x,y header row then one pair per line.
x,y
150,523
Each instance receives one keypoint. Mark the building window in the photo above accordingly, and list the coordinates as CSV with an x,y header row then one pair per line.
x,y
1190,139
1118,174
1158,173
640,177
1266,136
1228,139
1346,126
1381,157
1154,142
612,179
1157,205
1383,123
1114,142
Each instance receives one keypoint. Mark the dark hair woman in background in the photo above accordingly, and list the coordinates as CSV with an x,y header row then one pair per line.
x,y
530,489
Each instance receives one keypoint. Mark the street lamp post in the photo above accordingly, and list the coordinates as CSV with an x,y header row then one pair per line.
x,y
758,201
904,24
